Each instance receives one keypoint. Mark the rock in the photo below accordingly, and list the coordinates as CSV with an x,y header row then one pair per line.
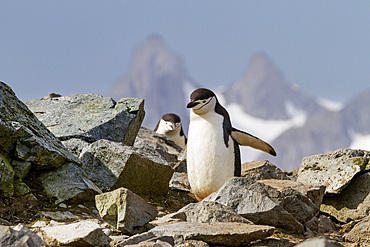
x,y
352,203
256,202
318,242
19,236
218,233
21,168
124,210
326,169
24,138
69,183
316,193
98,117
162,144
258,170
112,165
272,242
360,233
292,197
82,233
154,242
6,179
321,225
59,216
180,181
208,212
202,212
192,243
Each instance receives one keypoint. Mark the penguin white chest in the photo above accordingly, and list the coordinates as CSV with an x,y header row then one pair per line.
x,y
209,162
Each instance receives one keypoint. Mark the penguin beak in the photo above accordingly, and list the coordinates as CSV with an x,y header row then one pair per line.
x,y
192,104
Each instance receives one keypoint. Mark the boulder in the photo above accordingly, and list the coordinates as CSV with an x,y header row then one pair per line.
x,y
69,183
25,138
6,179
257,202
360,233
149,139
82,233
318,242
19,236
292,196
90,117
112,165
272,242
202,212
326,169
321,225
258,170
352,203
124,210
180,181
217,233
208,212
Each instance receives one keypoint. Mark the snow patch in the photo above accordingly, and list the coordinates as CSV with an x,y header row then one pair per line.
x,y
360,141
330,105
267,130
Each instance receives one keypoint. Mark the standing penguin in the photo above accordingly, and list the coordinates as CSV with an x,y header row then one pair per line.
x,y
213,154
170,126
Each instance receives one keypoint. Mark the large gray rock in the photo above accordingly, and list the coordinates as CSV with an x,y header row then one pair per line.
x,y
82,233
124,210
318,242
352,203
258,202
25,138
149,139
326,169
258,170
69,183
202,212
19,236
90,117
208,212
292,196
272,242
360,233
6,179
218,233
112,165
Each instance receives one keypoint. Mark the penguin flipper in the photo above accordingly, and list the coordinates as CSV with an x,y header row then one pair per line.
x,y
245,139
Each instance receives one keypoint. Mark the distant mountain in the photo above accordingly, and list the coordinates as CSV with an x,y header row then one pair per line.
x,y
325,132
262,102
263,92
159,76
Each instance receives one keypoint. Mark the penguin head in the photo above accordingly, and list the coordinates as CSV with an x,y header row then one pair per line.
x,y
202,100
169,123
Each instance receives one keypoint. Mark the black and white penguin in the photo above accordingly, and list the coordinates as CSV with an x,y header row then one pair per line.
x,y
213,154
170,126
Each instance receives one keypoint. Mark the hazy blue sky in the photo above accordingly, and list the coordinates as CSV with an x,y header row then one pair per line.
x,y
72,46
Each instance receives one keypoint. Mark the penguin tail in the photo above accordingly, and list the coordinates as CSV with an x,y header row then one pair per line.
x,y
246,139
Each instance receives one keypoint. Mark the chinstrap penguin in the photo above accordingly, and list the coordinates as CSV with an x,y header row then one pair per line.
x,y
170,126
213,154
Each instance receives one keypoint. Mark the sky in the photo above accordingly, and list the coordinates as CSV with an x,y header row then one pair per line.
x,y
85,46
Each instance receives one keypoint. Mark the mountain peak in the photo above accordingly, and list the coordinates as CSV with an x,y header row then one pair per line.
x,y
263,91
260,60
155,58
158,75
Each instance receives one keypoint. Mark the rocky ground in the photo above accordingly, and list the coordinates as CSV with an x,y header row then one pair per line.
x,y
80,171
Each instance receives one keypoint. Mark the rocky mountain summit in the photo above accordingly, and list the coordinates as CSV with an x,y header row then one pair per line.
x,y
80,170
157,75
